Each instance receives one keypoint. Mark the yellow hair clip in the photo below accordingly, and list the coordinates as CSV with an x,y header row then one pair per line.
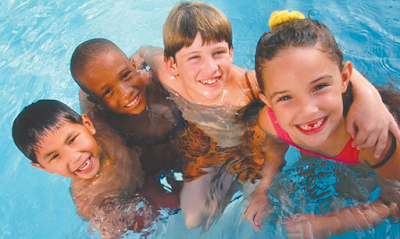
x,y
283,16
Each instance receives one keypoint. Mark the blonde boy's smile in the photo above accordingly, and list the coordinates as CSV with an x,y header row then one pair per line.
x,y
211,82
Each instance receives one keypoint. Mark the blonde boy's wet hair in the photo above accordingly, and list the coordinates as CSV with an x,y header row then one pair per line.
x,y
186,19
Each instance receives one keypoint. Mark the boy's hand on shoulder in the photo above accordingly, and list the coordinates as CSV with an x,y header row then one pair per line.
x,y
373,125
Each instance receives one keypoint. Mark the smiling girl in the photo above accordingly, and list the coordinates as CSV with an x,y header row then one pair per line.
x,y
306,87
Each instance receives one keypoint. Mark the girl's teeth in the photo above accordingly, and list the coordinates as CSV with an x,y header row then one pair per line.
x,y
309,127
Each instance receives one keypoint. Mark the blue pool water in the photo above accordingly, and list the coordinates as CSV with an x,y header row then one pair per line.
x,y
37,39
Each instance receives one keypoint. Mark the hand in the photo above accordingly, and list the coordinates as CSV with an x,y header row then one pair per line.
x,y
256,209
373,126
308,226
138,60
375,213
370,115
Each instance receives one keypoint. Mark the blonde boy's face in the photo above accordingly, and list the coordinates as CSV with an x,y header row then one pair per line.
x,y
304,88
204,69
70,151
113,79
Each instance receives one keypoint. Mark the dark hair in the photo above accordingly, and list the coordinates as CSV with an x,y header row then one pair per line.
x,y
38,119
86,52
295,33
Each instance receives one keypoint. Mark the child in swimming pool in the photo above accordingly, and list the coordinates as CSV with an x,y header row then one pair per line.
x,y
107,178
306,87
196,68
129,100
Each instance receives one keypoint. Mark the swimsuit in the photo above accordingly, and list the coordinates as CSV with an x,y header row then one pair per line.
x,y
349,155
213,137
200,151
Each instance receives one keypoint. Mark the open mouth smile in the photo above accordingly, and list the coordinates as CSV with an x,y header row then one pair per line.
x,y
211,82
313,127
86,166
133,103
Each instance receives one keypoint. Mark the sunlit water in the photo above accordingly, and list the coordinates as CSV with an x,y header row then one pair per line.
x,y
37,39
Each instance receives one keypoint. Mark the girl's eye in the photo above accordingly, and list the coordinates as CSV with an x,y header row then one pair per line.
x,y
284,98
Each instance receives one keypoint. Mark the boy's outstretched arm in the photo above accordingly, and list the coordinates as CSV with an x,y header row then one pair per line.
x,y
258,200
371,117
351,218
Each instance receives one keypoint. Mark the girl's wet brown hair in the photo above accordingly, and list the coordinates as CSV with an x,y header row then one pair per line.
x,y
295,33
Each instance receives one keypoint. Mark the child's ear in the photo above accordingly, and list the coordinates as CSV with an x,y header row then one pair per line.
x,y
231,52
346,75
39,166
88,124
171,66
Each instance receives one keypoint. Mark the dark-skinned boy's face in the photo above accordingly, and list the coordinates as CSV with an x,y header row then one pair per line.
x,y
115,83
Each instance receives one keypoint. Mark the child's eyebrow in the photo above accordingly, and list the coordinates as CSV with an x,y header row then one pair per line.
x,y
320,78
191,53
277,93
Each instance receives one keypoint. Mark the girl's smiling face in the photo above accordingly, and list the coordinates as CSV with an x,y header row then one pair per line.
x,y
203,69
304,88
70,151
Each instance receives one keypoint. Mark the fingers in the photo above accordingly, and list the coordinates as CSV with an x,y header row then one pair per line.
x,y
249,215
258,219
380,144
394,128
365,139
254,216
351,129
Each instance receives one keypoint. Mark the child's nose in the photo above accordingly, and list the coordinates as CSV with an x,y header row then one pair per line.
x,y
210,64
125,89
307,106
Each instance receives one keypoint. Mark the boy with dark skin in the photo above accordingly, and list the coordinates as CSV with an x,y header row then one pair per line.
x,y
130,100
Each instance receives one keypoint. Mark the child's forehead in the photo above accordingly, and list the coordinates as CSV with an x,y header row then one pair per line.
x,y
110,53
56,130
